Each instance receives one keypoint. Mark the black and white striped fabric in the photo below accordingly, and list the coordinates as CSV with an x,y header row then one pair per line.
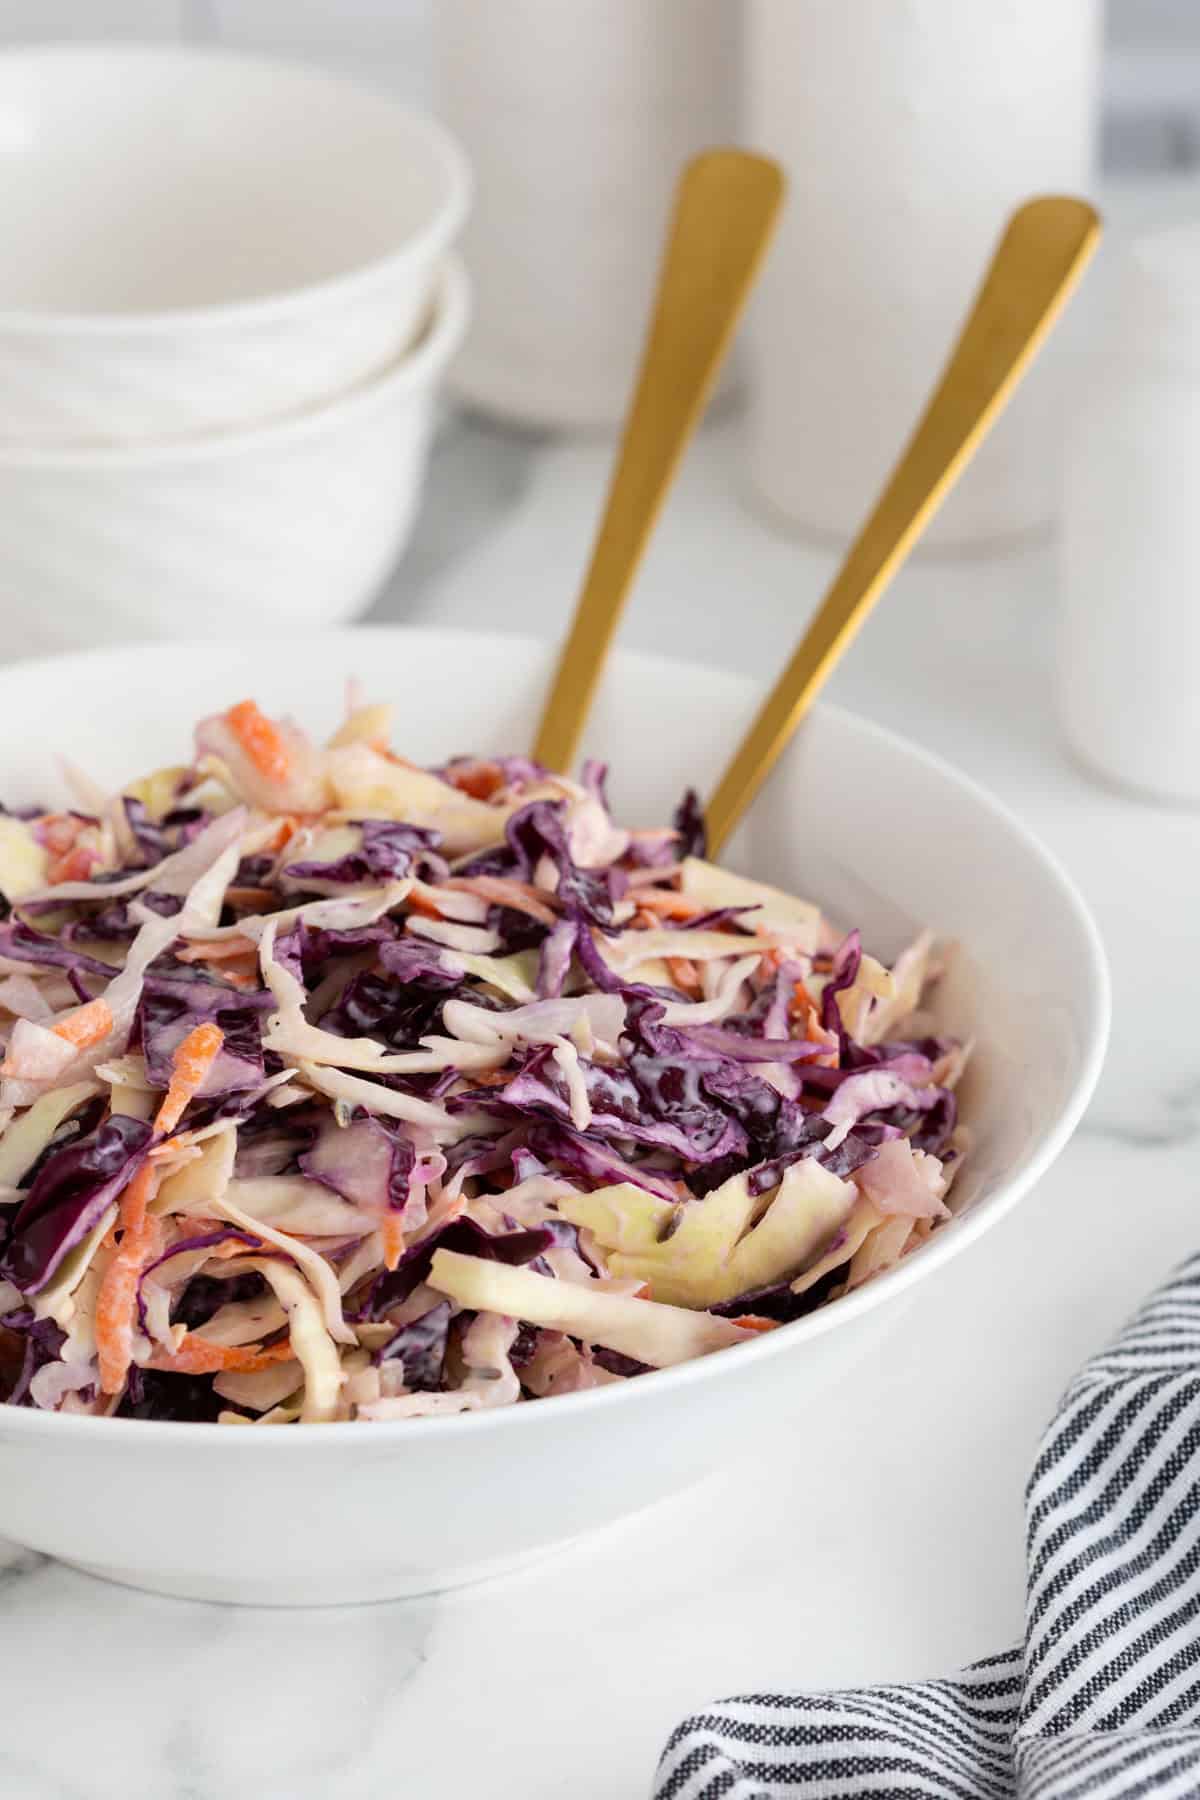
x,y
1104,1700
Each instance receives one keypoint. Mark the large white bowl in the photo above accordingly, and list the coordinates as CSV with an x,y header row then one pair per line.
x,y
291,525
879,831
194,239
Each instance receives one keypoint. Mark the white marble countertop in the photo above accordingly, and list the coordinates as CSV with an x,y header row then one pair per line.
x,y
880,1537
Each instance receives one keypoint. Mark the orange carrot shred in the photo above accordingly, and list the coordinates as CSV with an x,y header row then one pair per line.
x,y
141,1234
671,905
239,975
490,1077
419,903
220,951
136,1198
250,899
521,896
262,740
392,1232
227,1251
85,1026
198,1356
479,779
755,1322
76,865
118,1289
684,974
192,1060
58,832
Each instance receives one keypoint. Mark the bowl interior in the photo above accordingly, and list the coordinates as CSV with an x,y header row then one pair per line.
x,y
144,180
882,835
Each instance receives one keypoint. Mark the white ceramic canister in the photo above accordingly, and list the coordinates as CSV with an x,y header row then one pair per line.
x,y
910,130
577,116
1129,638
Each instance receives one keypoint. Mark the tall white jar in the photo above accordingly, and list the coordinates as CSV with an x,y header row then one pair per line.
x,y
1129,635
577,116
910,130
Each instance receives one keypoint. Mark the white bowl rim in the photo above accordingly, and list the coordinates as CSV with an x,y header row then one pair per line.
x,y
414,368
527,1416
424,246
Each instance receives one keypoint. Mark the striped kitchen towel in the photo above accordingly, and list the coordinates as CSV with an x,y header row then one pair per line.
x,y
1104,1699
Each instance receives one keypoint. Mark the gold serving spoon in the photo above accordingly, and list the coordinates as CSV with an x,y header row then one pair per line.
x,y
1044,250
725,209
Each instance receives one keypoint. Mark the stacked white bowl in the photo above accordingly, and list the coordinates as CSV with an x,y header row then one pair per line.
x,y
226,302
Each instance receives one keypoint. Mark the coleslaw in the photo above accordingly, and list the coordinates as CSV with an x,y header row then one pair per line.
x,y
338,1088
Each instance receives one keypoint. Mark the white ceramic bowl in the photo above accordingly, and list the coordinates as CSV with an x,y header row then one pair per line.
x,y
195,239
293,524
881,832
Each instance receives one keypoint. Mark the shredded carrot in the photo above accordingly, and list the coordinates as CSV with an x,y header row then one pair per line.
x,y
58,832
197,1356
237,965
115,1301
221,950
140,1233
643,1293
755,1322
684,974
182,1140
670,905
241,975
521,896
644,920
418,903
85,1026
250,899
76,865
262,740
490,1077
806,1018
285,831
230,1248
135,1200
392,1232
479,779
192,1060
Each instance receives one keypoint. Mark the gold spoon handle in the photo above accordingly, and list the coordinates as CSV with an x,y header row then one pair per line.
x,y
725,208
1041,256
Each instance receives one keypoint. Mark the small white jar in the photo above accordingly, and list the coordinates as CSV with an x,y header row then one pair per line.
x,y
577,116
1129,639
910,130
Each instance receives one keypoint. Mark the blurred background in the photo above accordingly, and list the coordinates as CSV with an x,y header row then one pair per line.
x,y
1150,98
